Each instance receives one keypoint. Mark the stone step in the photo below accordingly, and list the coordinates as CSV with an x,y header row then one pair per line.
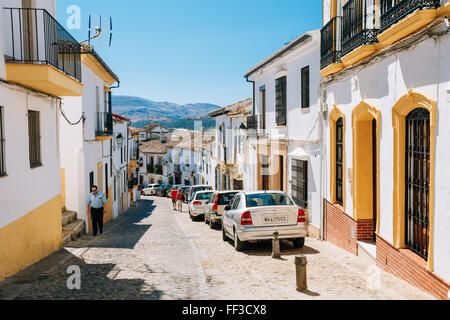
x,y
68,217
75,229
66,238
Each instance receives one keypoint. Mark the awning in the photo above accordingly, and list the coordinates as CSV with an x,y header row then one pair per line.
x,y
300,154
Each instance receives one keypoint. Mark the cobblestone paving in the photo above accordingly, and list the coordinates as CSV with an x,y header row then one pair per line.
x,y
153,253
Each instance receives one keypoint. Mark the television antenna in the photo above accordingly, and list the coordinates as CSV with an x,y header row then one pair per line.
x,y
100,30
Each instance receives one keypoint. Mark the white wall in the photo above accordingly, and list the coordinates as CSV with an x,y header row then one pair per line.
x,y
422,69
25,189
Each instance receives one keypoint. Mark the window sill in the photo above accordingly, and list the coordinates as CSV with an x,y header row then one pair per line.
x,y
4,175
35,166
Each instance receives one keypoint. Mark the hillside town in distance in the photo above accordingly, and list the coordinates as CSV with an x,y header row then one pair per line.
x,y
337,156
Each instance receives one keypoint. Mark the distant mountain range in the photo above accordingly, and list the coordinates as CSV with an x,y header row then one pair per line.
x,y
140,109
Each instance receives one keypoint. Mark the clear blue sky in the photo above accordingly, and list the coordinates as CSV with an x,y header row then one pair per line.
x,y
187,51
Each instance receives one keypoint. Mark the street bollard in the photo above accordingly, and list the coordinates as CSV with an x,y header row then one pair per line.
x,y
276,246
300,270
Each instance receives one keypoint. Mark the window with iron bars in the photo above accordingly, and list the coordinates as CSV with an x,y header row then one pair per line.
x,y
417,189
300,183
339,161
281,100
305,87
34,134
2,145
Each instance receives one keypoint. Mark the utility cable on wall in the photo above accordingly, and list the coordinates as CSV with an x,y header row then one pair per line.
x,y
83,116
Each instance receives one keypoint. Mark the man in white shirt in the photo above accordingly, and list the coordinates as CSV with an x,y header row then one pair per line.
x,y
95,208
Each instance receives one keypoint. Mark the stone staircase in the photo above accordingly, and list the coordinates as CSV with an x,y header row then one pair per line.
x,y
71,227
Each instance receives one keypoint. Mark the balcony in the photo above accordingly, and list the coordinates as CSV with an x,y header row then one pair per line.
x,y
330,47
104,126
40,53
401,19
358,31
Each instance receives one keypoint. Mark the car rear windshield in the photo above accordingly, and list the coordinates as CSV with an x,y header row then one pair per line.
x,y
203,196
268,199
225,198
196,189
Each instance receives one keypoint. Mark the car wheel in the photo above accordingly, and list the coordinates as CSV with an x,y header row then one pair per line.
x,y
212,225
206,220
299,243
238,244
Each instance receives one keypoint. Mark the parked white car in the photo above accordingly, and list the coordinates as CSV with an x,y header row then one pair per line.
x,y
215,207
257,215
198,204
150,190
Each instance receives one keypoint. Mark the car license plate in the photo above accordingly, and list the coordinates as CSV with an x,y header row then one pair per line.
x,y
271,219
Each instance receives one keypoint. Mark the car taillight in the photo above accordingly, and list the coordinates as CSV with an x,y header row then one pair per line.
x,y
301,216
215,203
246,219
197,203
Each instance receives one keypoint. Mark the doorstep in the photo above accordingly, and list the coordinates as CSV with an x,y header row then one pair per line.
x,y
369,248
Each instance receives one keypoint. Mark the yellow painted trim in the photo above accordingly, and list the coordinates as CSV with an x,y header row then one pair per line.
x,y
100,176
30,238
358,54
63,187
44,78
362,207
103,138
335,114
407,26
401,109
444,10
96,67
331,69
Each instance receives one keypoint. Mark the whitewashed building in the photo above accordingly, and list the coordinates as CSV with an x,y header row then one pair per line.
x,y
121,199
32,80
86,140
386,91
286,122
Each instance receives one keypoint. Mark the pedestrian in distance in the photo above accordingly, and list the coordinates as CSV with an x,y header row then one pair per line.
x,y
180,198
173,194
95,209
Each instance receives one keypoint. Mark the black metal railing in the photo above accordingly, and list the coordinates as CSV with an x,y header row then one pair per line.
x,y
104,124
37,38
252,123
330,45
177,168
358,25
394,10
158,169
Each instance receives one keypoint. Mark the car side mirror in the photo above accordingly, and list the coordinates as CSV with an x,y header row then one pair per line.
x,y
227,208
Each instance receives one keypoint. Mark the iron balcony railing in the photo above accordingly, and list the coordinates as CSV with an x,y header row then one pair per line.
x,y
394,10
37,38
104,124
252,123
330,44
358,25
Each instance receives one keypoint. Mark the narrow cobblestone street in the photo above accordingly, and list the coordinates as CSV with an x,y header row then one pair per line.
x,y
153,253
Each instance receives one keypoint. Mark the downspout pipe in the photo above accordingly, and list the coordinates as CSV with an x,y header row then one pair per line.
x,y
254,94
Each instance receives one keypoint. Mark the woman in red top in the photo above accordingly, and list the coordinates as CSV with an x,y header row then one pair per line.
x,y
173,194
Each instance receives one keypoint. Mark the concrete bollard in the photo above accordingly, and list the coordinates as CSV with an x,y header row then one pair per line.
x,y
276,246
300,270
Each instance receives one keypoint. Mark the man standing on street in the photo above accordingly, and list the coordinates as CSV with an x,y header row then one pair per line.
x,y
173,194
95,208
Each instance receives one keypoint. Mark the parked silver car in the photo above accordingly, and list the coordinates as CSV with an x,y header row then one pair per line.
x,y
150,190
198,203
215,207
257,215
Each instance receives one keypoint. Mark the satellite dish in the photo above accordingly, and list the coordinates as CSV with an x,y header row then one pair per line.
x,y
99,31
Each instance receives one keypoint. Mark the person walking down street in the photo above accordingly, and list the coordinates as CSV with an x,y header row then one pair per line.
x,y
173,194
95,209
180,198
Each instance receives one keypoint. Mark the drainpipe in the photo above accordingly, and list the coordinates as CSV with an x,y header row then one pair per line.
x,y
322,163
254,102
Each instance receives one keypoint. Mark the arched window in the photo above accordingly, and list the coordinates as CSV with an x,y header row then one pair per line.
x,y
339,160
417,176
